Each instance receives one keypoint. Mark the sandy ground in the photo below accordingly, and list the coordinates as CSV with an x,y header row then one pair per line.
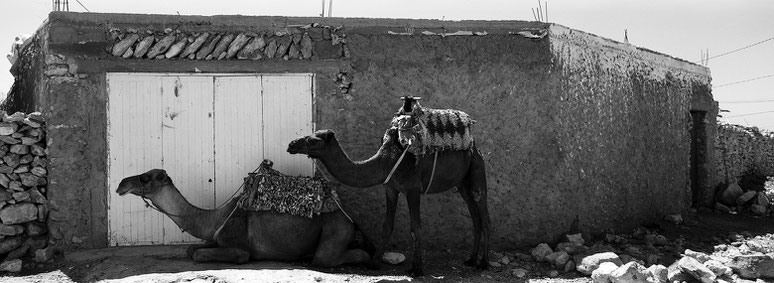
x,y
169,263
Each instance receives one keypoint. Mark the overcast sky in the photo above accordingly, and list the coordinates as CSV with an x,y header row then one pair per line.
x,y
679,28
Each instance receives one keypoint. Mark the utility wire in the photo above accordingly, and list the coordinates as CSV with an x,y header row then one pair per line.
x,y
748,114
744,81
84,7
735,50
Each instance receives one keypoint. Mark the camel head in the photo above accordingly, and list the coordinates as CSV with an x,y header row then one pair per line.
x,y
146,184
313,145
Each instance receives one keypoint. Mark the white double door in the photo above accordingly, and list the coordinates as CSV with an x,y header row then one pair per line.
x,y
207,131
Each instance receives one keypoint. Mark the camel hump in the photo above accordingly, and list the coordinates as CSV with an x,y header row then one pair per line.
x,y
435,130
269,189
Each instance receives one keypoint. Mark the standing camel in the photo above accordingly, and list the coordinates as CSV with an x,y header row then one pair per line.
x,y
463,169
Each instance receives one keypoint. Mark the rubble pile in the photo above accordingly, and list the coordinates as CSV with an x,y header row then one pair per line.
x,y
23,178
734,199
644,256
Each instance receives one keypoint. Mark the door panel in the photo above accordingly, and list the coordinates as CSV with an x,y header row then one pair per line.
x,y
187,134
287,115
238,132
134,144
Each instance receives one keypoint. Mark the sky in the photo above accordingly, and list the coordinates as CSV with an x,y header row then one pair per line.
x,y
739,32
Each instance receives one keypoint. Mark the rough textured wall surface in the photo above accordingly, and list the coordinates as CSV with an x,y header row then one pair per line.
x,y
743,150
571,126
622,120
500,80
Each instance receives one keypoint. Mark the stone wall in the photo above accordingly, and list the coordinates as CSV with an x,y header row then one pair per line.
x,y
743,150
576,130
24,209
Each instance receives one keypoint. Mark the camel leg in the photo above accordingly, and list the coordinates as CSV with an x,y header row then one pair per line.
x,y
464,190
478,187
192,248
412,198
234,255
337,233
391,195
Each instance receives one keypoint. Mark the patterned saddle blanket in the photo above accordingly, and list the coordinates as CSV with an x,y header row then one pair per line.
x,y
425,130
268,189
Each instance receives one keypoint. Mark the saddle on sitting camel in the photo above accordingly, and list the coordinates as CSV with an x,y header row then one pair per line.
x,y
268,189
429,130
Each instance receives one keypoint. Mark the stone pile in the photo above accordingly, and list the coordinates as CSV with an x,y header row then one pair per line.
x,y
734,199
23,178
301,42
640,257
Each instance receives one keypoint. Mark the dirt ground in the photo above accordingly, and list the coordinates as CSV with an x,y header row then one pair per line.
x,y
702,231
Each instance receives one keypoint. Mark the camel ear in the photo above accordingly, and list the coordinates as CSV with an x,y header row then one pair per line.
x,y
326,136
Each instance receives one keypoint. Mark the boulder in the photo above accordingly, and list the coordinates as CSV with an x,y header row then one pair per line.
x,y
722,208
13,266
745,197
762,200
393,258
19,213
588,264
551,258
46,254
631,272
11,230
758,210
676,219
701,257
571,248
576,238
696,269
519,272
602,273
730,194
753,266
9,244
658,273
562,259
540,252
718,268
676,274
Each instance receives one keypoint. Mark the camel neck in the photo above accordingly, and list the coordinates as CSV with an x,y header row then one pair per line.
x,y
200,223
359,174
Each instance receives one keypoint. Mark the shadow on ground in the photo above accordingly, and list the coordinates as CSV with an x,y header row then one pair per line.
x,y
701,231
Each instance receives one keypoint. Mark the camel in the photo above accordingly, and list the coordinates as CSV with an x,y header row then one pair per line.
x,y
463,169
246,235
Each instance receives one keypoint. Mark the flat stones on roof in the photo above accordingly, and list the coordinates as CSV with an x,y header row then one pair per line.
x,y
295,42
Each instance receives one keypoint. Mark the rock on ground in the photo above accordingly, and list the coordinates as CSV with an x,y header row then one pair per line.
x,y
590,263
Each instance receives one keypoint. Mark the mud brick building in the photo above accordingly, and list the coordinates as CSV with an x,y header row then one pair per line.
x,y
573,127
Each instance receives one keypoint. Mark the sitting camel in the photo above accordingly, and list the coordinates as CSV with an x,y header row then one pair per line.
x,y
463,169
237,235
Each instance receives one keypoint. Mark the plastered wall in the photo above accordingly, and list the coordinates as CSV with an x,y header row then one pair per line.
x,y
572,127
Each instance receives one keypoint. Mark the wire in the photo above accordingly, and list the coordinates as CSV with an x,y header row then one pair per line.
x,y
732,51
748,114
744,81
746,101
84,7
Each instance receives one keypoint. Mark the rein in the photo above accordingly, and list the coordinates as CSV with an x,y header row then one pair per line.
x,y
395,167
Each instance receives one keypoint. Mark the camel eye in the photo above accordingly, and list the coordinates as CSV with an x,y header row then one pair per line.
x,y
161,177
144,178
